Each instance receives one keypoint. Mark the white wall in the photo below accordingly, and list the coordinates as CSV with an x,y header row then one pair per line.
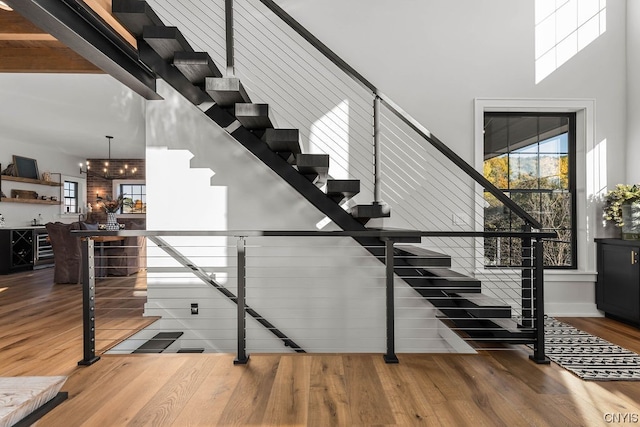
x,y
434,58
326,294
633,91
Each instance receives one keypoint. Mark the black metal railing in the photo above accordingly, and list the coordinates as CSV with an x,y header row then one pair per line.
x,y
473,328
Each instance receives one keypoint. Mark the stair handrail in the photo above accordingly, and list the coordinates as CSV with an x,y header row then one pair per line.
x,y
401,114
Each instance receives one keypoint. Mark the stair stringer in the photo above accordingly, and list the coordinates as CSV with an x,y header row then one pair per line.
x,y
290,209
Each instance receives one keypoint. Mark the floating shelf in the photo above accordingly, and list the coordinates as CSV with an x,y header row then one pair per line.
x,y
29,180
35,201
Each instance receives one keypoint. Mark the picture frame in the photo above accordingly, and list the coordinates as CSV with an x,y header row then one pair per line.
x,y
26,167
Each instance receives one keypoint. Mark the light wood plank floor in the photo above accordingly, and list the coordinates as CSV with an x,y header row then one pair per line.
x,y
40,334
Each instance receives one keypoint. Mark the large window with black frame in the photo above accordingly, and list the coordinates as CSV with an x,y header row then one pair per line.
x,y
531,157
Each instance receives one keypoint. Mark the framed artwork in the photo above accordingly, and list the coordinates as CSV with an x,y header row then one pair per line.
x,y
26,167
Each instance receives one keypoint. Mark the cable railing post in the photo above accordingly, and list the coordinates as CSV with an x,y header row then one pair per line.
x,y
527,278
88,304
538,355
242,357
390,356
376,148
228,18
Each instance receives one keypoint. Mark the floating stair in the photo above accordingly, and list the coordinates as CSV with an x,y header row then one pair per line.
x,y
253,116
314,167
191,350
166,41
285,142
482,306
341,190
196,66
166,52
159,342
364,213
135,15
226,91
421,257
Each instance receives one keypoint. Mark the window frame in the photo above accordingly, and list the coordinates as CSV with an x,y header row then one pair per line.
x,y
82,196
572,187
116,183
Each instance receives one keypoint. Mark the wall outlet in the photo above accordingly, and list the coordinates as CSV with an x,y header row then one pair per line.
x,y
194,308
458,219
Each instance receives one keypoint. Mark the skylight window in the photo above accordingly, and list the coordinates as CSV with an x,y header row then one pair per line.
x,y
564,28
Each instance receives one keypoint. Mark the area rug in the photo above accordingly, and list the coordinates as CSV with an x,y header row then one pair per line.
x,y
588,356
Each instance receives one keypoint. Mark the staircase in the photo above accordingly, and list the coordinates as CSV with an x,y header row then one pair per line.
x,y
165,51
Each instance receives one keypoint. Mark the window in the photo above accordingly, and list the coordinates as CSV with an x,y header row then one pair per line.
x,y
70,197
135,196
531,157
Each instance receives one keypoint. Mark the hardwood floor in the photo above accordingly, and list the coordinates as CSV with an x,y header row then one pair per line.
x,y
40,334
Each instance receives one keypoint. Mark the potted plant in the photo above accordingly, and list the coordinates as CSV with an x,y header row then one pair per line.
x,y
111,207
622,206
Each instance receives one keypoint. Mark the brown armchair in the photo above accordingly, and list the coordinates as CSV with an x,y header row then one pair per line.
x,y
67,254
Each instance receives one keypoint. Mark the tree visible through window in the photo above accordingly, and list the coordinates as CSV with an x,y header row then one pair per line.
x,y
532,158
135,197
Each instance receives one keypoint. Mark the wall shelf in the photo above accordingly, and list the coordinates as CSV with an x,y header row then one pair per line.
x,y
35,201
30,180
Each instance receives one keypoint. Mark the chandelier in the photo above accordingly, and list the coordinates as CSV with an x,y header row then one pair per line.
x,y
108,171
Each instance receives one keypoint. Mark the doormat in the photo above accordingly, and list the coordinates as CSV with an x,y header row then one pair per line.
x,y
588,356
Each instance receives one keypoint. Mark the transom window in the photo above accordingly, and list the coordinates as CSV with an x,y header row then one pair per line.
x,y
531,157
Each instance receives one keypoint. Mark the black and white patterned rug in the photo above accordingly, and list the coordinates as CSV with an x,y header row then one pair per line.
x,y
588,356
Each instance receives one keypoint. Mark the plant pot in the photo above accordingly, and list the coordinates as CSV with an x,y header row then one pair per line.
x,y
112,222
631,221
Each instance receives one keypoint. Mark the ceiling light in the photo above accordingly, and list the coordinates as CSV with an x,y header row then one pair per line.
x,y
5,6
107,173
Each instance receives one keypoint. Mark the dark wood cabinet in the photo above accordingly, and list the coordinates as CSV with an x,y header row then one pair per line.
x,y
16,250
618,286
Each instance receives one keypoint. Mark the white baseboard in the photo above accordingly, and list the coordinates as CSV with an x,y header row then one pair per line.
x,y
572,310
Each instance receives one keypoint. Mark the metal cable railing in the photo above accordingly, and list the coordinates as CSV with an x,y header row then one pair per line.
x,y
279,291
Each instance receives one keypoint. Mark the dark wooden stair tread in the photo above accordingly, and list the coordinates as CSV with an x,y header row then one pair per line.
x,y
166,41
482,306
314,167
134,15
253,116
191,350
196,66
226,91
342,189
283,140
421,257
364,213
159,342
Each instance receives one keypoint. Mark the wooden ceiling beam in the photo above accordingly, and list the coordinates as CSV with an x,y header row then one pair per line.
x,y
42,57
14,23
26,36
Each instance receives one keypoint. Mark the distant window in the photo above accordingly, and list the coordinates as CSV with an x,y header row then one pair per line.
x,y
135,196
70,197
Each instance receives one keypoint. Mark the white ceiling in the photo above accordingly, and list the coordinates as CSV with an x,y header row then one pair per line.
x,y
72,112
